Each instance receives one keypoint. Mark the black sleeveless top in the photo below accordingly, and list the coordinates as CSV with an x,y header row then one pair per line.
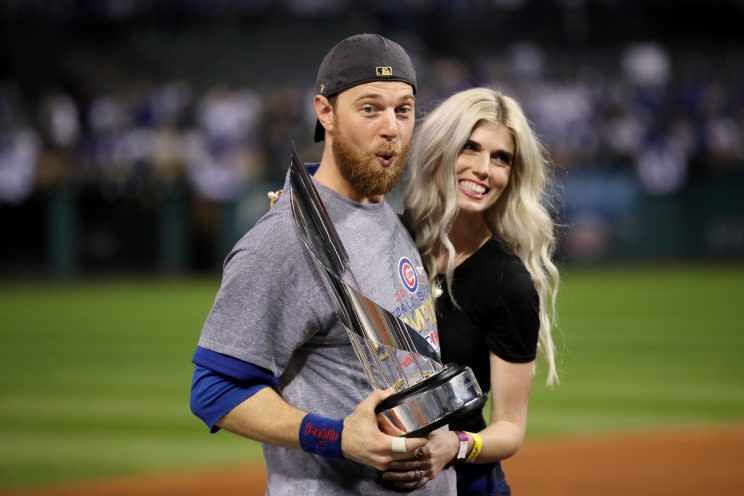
x,y
499,314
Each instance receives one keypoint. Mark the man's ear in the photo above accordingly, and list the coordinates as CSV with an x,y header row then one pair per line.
x,y
325,113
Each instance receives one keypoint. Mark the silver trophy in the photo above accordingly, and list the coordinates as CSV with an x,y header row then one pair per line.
x,y
392,354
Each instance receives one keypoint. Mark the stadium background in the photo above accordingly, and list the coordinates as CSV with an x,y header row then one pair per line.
x,y
138,140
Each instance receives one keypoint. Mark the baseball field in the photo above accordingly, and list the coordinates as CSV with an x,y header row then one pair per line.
x,y
96,375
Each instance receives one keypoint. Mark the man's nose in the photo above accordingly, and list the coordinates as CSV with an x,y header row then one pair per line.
x,y
389,125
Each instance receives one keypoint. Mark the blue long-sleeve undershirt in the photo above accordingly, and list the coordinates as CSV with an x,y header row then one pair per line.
x,y
221,382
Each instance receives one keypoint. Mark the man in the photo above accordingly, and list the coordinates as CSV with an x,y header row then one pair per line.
x,y
272,348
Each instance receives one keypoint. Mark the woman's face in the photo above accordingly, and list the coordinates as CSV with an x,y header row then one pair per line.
x,y
483,167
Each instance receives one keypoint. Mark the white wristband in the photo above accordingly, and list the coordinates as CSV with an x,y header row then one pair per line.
x,y
463,450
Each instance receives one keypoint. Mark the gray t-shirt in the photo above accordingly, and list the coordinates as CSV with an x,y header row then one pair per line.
x,y
272,310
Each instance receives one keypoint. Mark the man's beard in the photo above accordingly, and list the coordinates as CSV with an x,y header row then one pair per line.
x,y
363,171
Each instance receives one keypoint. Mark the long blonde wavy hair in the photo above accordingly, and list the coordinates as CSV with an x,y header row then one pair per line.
x,y
520,216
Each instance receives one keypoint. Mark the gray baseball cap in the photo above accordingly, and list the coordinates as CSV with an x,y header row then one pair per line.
x,y
360,59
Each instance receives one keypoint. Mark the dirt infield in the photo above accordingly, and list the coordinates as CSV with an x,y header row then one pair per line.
x,y
705,461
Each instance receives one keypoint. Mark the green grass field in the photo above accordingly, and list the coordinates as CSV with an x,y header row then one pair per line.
x,y
96,375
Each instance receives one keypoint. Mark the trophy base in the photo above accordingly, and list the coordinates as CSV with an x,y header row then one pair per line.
x,y
438,400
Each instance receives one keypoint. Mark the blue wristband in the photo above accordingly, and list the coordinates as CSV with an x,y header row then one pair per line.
x,y
321,436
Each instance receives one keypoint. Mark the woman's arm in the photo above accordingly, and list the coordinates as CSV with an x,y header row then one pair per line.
x,y
502,438
510,391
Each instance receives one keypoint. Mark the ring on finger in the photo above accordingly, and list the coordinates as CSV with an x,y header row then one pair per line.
x,y
420,453
419,474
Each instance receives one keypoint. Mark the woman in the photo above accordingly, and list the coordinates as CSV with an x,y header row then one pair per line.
x,y
475,206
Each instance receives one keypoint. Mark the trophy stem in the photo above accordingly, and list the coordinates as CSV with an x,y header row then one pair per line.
x,y
359,350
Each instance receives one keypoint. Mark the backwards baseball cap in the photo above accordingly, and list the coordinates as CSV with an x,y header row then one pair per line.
x,y
360,59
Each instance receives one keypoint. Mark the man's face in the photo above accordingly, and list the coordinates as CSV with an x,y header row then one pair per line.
x,y
372,133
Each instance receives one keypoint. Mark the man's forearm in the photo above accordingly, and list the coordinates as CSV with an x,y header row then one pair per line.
x,y
267,418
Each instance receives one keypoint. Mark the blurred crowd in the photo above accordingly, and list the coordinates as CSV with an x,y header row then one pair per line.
x,y
148,133
666,117
132,137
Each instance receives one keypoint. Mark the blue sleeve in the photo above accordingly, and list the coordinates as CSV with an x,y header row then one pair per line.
x,y
220,383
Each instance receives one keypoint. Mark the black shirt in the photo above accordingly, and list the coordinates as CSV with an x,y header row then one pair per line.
x,y
499,314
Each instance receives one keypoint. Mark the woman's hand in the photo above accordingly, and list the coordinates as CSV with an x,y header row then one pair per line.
x,y
440,449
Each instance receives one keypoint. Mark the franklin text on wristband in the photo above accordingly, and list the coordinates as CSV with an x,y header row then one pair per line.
x,y
321,436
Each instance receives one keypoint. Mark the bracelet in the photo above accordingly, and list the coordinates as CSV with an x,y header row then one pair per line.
x,y
321,436
477,446
463,450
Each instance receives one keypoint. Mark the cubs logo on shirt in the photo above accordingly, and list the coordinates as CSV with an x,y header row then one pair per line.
x,y
408,275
